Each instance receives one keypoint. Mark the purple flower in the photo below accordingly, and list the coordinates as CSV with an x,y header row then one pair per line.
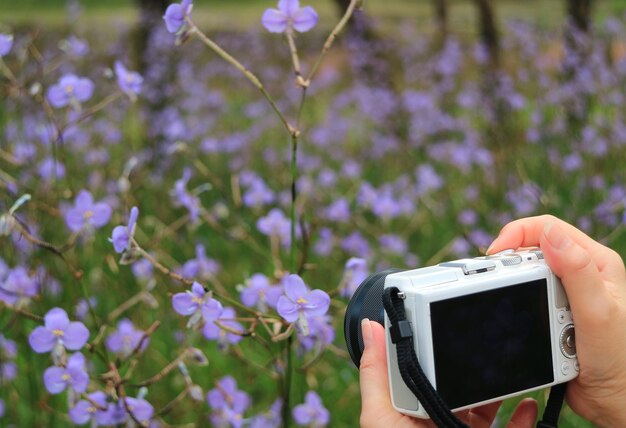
x,y
260,293
275,224
6,43
312,412
338,211
354,273
175,15
85,410
70,89
82,307
86,212
258,194
75,46
58,331
140,408
227,402
270,419
183,198
321,333
289,15
197,303
17,284
201,267
299,303
122,235
56,379
8,352
128,81
393,243
50,168
1,408
126,339
212,331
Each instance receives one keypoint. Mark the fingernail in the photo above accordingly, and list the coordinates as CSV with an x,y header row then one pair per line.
x,y
555,236
366,332
490,247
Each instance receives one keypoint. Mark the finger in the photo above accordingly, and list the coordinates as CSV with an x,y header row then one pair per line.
x,y
525,414
527,232
483,416
373,367
578,271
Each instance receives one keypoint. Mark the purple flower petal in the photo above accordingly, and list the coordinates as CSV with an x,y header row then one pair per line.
x,y
56,319
288,7
84,89
82,412
42,340
6,42
76,335
183,303
134,214
101,214
54,381
174,16
78,378
211,310
84,200
57,96
197,289
211,331
317,303
287,309
304,19
295,288
76,360
75,219
302,415
119,238
274,21
141,409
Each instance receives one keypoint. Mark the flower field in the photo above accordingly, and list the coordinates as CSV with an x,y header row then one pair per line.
x,y
183,224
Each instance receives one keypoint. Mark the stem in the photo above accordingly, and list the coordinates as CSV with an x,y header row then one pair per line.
x,y
193,30
287,391
294,195
165,370
332,36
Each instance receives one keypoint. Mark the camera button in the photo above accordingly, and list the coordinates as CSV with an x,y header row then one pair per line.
x,y
568,341
566,368
562,317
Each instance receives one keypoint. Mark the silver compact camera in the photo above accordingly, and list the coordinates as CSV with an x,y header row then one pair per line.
x,y
484,329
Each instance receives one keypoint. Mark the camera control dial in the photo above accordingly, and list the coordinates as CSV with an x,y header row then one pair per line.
x,y
567,341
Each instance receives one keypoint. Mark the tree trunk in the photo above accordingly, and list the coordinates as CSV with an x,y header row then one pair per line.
x,y
441,21
150,16
577,45
489,34
579,12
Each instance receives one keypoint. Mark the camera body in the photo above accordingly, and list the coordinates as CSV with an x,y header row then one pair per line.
x,y
484,329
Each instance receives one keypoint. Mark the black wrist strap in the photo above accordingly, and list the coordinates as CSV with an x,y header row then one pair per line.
x,y
415,379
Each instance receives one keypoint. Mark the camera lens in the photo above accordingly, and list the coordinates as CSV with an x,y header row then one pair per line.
x,y
367,302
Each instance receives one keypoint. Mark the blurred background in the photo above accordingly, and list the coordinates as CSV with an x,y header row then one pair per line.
x,y
429,126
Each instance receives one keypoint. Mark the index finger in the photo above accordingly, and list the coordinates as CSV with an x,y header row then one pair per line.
x,y
527,232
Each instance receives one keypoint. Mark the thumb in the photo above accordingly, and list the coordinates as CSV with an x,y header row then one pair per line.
x,y
524,415
578,272
373,367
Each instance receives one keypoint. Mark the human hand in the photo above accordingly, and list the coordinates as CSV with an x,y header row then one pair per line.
x,y
377,410
594,279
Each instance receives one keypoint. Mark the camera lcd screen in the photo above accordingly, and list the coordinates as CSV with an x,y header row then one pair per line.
x,y
492,343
